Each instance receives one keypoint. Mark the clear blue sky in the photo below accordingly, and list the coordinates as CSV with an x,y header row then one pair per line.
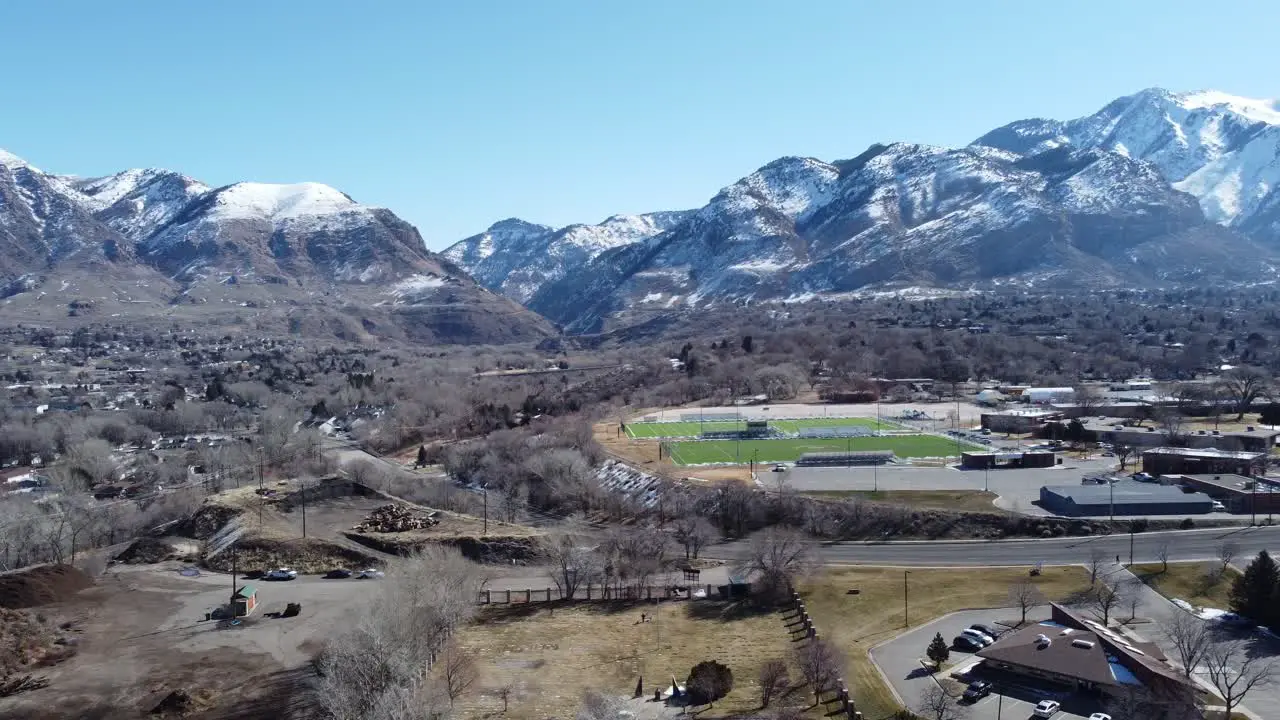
x,y
458,114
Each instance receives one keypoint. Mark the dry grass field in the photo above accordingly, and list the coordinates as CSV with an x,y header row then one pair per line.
x,y
551,655
858,622
973,500
1198,583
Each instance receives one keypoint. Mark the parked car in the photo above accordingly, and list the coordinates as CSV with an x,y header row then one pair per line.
x,y
981,637
1046,709
977,690
1143,477
985,629
338,574
370,574
966,643
283,573
1099,716
1219,507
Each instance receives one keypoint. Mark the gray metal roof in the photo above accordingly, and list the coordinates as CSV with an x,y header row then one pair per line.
x,y
1125,492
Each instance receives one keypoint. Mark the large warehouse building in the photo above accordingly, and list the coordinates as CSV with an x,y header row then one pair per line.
x,y
1122,498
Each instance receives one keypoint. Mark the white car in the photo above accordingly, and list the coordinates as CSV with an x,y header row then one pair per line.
x,y
369,574
283,573
1099,716
981,637
1046,709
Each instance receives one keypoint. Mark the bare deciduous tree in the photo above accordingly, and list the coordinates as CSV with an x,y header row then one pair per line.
x,y
1162,554
776,557
1227,553
937,704
571,564
458,672
1103,599
378,668
820,663
1097,560
1189,636
1244,385
693,533
1024,595
1123,453
1235,671
773,679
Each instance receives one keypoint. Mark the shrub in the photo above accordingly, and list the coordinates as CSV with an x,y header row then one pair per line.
x,y
708,681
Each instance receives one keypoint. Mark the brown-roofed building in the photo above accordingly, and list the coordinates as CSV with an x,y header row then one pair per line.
x,y
1081,653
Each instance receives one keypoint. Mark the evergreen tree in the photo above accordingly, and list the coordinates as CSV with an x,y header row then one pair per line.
x,y
1253,594
938,651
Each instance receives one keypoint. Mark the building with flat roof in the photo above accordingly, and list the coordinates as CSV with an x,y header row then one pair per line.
x,y
1202,461
1083,654
991,460
1239,494
1122,498
1018,421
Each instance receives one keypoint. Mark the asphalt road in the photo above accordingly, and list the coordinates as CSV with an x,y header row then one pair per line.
x,y
1183,545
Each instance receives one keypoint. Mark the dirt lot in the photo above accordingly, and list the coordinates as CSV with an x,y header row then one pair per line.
x,y
551,657
973,500
143,634
875,614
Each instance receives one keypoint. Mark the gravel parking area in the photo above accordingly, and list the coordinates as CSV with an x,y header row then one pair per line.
x,y
899,661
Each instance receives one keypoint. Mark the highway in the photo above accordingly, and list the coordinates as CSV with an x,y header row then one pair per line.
x,y
1183,545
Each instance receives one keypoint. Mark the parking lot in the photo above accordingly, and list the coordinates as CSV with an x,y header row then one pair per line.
x,y
1018,488
899,660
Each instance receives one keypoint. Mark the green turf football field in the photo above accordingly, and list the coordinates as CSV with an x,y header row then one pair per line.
x,y
694,429
704,452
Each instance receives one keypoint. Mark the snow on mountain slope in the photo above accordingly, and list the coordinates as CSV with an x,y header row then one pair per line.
x,y
914,214
518,258
250,200
1223,149
138,202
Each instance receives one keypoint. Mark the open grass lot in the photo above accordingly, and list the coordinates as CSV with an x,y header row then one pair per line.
x,y
974,500
1198,583
553,655
858,622
694,429
706,452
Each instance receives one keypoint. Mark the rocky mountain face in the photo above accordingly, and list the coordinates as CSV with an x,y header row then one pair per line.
x,y
517,258
1156,188
1221,149
147,237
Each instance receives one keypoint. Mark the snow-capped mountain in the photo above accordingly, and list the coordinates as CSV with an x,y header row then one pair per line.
x,y
914,214
1156,188
517,258
1222,149
155,237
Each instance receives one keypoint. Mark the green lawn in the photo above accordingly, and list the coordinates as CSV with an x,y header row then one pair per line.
x,y
706,452
693,429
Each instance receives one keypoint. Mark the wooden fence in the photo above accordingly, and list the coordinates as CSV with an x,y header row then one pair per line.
x,y
598,593
841,690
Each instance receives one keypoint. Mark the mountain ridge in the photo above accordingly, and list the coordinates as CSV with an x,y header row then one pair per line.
x,y
1125,195
145,239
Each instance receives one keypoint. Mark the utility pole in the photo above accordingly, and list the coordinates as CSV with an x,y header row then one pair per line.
x,y
485,493
1112,485
1130,543
304,508
875,475
986,478
906,617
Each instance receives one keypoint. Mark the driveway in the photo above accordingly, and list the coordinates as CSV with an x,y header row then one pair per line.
x,y
899,661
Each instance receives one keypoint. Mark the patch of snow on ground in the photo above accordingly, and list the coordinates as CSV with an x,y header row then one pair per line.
x,y
415,284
